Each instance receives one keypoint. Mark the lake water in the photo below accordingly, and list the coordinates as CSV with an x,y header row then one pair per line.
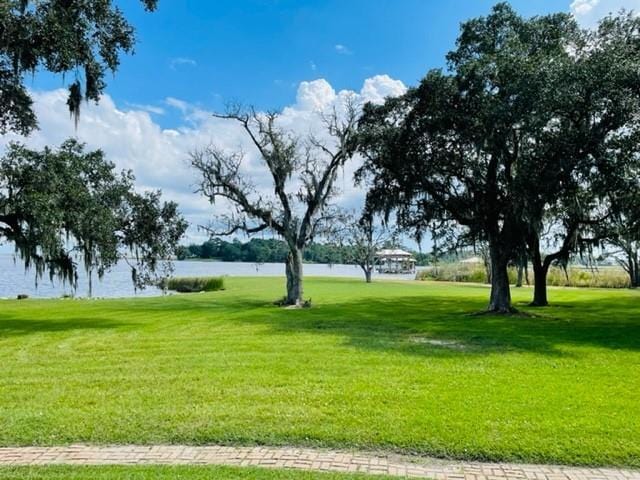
x,y
117,283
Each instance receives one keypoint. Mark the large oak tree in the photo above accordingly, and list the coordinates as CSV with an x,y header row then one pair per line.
x,y
455,148
587,150
510,138
67,209
301,171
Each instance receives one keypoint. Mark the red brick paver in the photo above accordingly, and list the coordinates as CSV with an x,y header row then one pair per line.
x,y
303,459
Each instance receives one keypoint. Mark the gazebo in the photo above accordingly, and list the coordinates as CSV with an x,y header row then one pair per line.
x,y
394,261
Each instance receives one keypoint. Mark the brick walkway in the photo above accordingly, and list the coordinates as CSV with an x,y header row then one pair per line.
x,y
305,459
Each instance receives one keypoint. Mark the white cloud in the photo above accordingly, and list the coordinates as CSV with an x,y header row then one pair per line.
x,y
342,49
583,7
159,157
313,66
176,62
176,103
147,108
315,95
377,88
588,12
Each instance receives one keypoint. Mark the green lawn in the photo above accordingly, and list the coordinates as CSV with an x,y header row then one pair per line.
x,y
168,473
396,365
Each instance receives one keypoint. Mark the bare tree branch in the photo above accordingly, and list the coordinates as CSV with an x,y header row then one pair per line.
x,y
302,172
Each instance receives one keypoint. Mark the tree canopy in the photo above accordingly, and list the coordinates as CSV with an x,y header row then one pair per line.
x,y
66,209
82,38
515,133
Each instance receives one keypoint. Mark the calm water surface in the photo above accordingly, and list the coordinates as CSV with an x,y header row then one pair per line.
x,y
117,283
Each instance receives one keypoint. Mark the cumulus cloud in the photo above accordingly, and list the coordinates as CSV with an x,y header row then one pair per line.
x,y
377,88
588,12
315,95
159,157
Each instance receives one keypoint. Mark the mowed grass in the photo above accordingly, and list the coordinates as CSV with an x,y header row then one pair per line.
x,y
168,473
391,365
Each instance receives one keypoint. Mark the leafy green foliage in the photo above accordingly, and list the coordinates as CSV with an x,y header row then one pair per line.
x,y
85,38
194,284
621,229
591,150
67,205
258,250
458,148
521,131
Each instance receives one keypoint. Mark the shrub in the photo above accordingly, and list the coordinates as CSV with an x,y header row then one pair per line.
x,y
602,277
194,284
454,272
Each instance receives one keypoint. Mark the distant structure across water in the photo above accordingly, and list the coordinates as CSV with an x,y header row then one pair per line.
x,y
395,261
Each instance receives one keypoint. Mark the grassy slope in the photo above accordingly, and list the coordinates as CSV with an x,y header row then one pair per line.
x,y
356,370
167,473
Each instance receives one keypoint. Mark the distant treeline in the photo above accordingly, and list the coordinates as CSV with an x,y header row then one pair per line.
x,y
271,250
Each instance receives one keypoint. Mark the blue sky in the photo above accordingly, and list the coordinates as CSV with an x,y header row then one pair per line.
x,y
193,56
258,51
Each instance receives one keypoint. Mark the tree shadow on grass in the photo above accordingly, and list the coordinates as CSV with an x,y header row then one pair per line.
x,y
208,302
423,324
429,325
12,327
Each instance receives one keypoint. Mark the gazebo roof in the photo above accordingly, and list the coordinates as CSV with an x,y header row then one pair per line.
x,y
393,252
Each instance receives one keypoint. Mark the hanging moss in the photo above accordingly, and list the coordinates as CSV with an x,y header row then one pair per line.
x,y
85,38
74,101
69,209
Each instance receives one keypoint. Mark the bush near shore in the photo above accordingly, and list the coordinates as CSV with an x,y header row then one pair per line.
x,y
601,277
194,284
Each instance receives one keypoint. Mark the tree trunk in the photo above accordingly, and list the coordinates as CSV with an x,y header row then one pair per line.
x,y
487,268
520,268
367,274
540,270
294,277
500,299
634,272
